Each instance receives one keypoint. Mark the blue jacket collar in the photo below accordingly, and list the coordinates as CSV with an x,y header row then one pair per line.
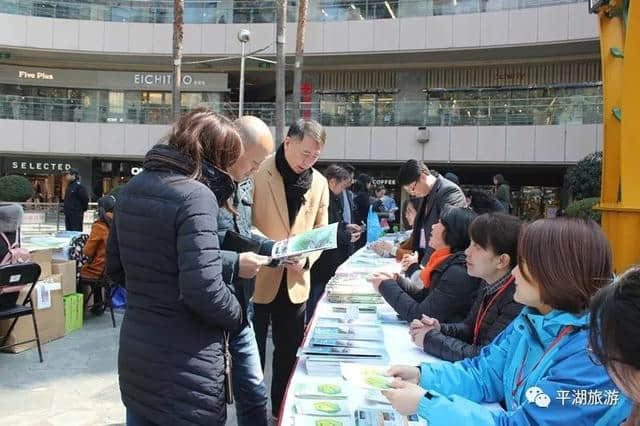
x,y
548,326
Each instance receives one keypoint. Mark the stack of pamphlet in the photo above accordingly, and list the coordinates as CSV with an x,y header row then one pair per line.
x,y
352,289
387,315
336,339
323,403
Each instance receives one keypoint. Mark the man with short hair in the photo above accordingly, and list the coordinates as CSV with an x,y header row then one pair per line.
x,y
418,181
76,201
240,269
290,197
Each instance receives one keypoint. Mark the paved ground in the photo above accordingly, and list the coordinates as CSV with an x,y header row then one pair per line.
x,y
77,384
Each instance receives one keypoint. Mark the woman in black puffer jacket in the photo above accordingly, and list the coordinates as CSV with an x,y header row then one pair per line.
x,y
448,291
163,244
492,255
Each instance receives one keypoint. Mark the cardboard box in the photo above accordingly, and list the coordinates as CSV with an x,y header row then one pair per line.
x,y
68,271
73,312
49,312
44,258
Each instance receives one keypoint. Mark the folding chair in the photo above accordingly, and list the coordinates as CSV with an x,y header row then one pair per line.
x,y
13,278
76,253
95,286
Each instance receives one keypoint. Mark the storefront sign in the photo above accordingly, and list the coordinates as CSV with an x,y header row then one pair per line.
x,y
48,167
37,75
111,80
384,181
166,80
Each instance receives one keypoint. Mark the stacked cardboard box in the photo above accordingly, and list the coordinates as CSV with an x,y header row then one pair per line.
x,y
73,312
44,258
68,271
49,313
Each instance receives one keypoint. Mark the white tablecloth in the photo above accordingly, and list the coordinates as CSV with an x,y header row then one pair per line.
x,y
396,339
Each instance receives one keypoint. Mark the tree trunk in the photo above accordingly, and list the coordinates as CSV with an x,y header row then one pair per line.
x,y
178,26
281,23
297,71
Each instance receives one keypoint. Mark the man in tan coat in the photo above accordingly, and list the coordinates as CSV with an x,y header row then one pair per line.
x,y
290,197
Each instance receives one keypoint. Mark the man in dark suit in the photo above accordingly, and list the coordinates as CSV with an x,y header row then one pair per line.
x,y
76,201
347,200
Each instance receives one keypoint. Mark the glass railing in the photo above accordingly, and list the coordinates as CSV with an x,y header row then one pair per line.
x,y
578,109
257,11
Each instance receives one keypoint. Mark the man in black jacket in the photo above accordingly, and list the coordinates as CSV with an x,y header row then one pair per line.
x,y
76,201
240,269
417,180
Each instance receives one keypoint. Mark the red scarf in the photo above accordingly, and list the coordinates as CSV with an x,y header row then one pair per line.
x,y
436,259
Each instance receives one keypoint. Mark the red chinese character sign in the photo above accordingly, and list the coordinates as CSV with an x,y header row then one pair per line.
x,y
306,89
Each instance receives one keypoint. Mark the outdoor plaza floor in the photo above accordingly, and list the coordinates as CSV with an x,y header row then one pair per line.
x,y
76,385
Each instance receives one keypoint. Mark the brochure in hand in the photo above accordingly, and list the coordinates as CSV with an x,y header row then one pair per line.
x,y
370,377
376,397
323,238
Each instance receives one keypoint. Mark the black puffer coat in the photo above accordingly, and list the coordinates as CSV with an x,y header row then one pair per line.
x,y
163,242
448,298
454,341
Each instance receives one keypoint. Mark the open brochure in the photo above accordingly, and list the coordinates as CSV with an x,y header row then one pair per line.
x,y
323,238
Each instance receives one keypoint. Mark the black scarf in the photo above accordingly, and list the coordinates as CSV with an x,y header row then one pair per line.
x,y
295,185
166,158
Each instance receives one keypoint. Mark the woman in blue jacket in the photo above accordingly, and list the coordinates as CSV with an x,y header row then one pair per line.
x,y
539,366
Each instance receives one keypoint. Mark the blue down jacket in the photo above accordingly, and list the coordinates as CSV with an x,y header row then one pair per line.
x,y
578,392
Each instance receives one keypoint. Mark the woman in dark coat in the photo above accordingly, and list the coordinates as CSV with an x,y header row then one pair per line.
x,y
492,255
164,245
448,291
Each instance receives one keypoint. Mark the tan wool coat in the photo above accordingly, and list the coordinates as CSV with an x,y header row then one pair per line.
x,y
271,218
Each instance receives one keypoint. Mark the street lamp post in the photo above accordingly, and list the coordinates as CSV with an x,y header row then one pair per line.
x,y
243,37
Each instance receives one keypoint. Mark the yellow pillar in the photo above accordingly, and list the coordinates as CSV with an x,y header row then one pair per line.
x,y
620,199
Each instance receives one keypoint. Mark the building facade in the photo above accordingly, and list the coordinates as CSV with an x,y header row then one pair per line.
x,y
470,86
